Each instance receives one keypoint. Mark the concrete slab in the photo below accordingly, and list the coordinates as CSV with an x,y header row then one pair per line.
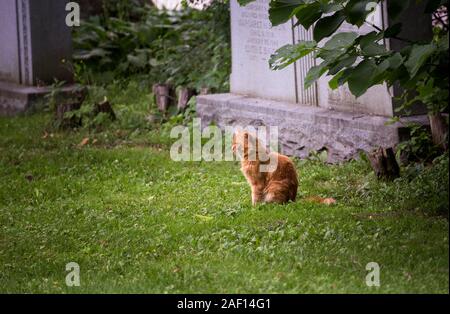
x,y
15,98
303,129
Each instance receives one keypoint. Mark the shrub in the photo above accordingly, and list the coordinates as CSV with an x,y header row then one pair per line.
x,y
187,47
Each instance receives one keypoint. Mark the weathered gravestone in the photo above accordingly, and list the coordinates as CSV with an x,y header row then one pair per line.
x,y
308,120
35,49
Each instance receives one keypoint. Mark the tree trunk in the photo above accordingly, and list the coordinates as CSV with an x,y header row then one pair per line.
x,y
184,96
66,122
384,163
439,130
163,96
105,107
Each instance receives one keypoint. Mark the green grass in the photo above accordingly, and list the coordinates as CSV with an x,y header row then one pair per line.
x,y
137,222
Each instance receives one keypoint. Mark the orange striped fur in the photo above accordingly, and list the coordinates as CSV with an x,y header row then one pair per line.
x,y
279,185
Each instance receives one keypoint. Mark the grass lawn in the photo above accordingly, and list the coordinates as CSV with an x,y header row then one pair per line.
x,y
137,222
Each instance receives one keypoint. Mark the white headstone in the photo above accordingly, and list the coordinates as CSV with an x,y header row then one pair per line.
x,y
253,40
35,42
9,47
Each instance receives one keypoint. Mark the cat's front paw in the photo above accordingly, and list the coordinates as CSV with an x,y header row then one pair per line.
x,y
256,200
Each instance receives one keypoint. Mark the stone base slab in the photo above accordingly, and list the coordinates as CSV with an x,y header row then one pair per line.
x,y
15,98
303,129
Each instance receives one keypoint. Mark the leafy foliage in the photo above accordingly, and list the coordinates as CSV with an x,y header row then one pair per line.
x,y
363,61
419,147
187,47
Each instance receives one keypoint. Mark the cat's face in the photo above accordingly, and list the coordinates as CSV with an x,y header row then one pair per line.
x,y
240,142
244,144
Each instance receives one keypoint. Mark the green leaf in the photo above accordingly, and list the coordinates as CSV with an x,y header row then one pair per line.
x,y
443,43
288,54
418,56
395,61
370,37
369,44
332,55
343,78
373,49
341,40
360,78
332,7
85,55
347,61
328,25
244,2
334,82
393,30
281,11
138,61
357,11
308,14
335,49
381,73
314,74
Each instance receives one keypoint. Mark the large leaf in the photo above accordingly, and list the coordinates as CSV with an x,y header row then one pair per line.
x,y
288,54
280,11
88,54
394,61
345,62
385,69
332,55
245,2
369,45
341,40
344,75
328,25
370,37
334,83
308,14
314,74
360,78
357,11
443,43
393,30
418,56
335,50
373,49
330,7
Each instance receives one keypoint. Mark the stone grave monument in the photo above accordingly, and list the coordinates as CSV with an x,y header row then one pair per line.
x,y
308,120
35,49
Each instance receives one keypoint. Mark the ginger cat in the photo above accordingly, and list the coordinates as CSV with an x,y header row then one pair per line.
x,y
279,184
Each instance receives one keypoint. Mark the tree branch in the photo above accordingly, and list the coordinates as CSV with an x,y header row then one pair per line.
x,y
440,21
394,37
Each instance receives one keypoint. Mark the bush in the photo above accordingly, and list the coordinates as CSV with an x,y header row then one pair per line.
x,y
187,47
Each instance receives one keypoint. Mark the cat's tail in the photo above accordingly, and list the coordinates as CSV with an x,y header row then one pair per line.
x,y
320,200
